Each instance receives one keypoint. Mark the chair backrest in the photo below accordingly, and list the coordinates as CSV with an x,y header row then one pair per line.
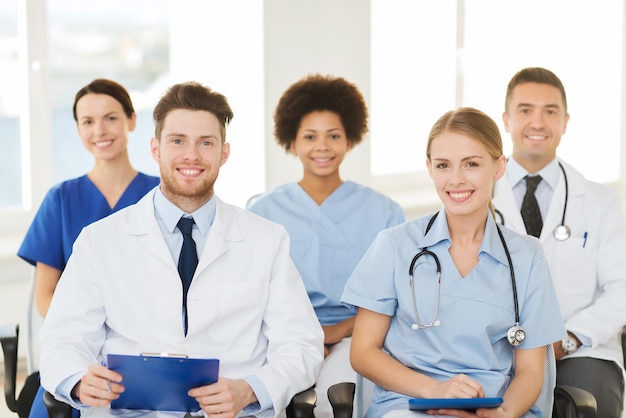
x,y
252,199
571,402
364,394
9,338
341,398
34,320
56,408
624,345
545,402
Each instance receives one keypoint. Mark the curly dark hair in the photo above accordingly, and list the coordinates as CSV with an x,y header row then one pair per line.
x,y
318,92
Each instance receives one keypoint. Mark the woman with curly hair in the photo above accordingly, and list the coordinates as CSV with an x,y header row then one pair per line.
x,y
331,222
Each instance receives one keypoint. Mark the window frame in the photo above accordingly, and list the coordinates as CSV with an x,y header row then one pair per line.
x,y
34,124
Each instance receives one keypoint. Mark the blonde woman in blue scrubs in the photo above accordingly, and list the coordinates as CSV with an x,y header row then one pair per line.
x,y
460,349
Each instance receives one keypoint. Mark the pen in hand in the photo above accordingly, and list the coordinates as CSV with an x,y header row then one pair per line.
x,y
103,364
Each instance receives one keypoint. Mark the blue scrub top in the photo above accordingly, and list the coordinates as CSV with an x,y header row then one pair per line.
x,y
475,311
66,209
328,240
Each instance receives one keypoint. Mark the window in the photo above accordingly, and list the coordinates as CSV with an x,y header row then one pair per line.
x,y
431,56
146,45
125,41
10,93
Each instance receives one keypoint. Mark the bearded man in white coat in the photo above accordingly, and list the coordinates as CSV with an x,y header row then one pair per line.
x,y
582,231
121,292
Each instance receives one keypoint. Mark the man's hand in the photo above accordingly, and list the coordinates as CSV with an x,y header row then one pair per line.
x,y
98,387
225,398
559,353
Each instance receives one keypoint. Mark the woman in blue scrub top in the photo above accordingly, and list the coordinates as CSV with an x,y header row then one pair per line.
x,y
104,116
331,222
450,340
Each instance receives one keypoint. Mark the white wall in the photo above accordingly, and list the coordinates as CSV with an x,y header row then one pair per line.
x,y
326,36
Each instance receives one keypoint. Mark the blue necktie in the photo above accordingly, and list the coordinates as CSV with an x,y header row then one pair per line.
x,y
530,208
187,262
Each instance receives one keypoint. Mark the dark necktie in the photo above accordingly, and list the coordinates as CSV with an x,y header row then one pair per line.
x,y
530,208
187,262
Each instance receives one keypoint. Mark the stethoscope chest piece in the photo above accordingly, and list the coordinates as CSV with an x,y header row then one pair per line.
x,y
561,232
516,335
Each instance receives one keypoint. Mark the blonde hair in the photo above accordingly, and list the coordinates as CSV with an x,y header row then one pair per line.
x,y
474,124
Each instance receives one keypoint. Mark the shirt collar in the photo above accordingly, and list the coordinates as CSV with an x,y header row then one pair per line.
x,y
439,229
549,174
171,214
490,245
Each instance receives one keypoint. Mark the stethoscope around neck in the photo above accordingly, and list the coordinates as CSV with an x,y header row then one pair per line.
x,y
515,334
561,232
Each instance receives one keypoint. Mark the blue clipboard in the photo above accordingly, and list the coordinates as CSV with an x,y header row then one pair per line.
x,y
422,404
161,383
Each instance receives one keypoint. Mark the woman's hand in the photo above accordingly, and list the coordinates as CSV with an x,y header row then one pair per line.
x,y
459,386
462,386
337,332
480,412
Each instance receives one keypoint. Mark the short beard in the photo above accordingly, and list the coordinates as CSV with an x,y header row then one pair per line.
x,y
185,197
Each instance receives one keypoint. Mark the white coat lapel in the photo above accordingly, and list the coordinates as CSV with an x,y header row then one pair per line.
x,y
141,223
504,202
223,231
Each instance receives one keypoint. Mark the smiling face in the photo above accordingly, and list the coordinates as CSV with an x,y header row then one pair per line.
x,y
190,153
103,126
463,172
536,119
321,145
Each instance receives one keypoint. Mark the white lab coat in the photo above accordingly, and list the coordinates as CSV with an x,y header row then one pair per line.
x,y
121,293
589,273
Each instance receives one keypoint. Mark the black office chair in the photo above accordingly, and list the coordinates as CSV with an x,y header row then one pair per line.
x,y
571,402
302,404
9,335
56,408
341,398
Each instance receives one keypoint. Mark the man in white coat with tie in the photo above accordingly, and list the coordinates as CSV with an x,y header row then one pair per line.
x,y
583,232
231,293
